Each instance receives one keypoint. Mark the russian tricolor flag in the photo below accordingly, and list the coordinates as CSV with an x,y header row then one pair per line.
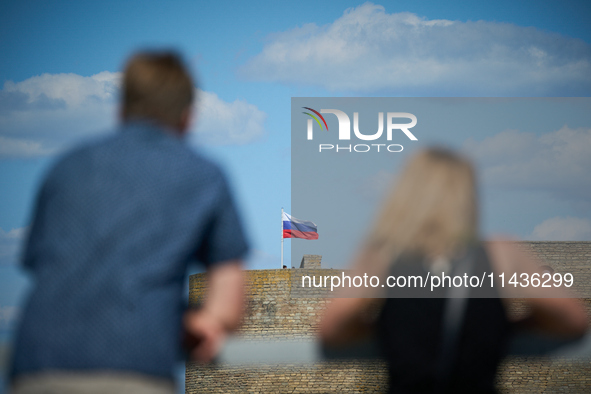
x,y
295,228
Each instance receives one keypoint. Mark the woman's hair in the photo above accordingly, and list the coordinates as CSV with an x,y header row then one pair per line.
x,y
432,209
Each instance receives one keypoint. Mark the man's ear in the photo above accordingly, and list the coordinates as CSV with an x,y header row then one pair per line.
x,y
185,120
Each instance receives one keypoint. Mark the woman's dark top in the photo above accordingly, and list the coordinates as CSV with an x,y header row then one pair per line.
x,y
410,334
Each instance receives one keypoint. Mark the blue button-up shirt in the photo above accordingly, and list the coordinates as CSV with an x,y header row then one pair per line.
x,y
115,226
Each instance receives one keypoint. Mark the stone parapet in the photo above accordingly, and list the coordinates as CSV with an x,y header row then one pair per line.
x,y
275,311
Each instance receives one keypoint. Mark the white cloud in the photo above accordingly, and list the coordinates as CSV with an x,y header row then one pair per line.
x,y
41,115
44,114
10,245
557,162
70,89
562,229
369,50
11,147
220,122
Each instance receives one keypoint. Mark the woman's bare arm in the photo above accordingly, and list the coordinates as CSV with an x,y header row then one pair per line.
x,y
553,310
346,320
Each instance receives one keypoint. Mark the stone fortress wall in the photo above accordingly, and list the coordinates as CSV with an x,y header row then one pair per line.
x,y
274,313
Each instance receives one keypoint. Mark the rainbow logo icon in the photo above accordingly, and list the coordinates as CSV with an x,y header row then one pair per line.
x,y
315,118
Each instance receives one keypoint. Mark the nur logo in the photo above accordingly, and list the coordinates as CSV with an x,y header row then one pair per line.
x,y
345,129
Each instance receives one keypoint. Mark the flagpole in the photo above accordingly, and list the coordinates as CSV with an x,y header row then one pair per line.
x,y
281,238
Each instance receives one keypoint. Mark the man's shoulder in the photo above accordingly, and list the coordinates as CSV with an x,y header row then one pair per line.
x,y
150,149
75,157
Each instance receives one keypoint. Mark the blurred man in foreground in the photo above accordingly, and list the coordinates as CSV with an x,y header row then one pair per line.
x,y
115,226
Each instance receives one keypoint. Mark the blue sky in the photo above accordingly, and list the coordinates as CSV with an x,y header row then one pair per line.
x,y
59,85
532,156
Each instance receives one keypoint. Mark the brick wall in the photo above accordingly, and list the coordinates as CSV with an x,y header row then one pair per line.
x,y
329,377
274,311
543,375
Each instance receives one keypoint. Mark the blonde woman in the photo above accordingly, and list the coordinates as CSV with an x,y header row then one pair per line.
x,y
429,223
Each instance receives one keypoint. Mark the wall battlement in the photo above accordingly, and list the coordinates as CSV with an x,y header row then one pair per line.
x,y
273,312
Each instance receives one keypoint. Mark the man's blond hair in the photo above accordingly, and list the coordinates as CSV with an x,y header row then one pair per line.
x,y
157,86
